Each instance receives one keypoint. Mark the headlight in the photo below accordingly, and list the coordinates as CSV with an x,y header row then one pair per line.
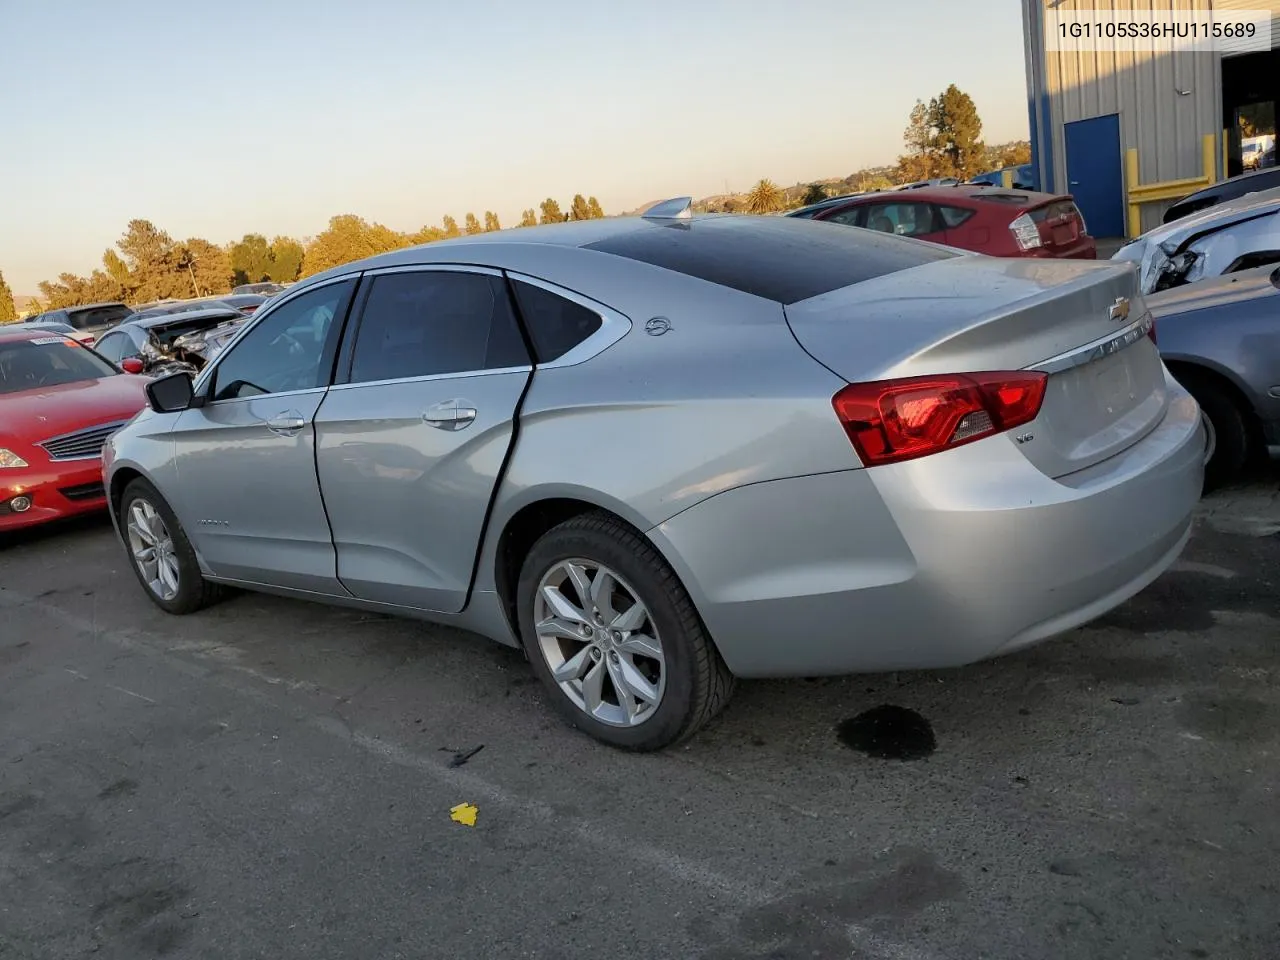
x,y
10,460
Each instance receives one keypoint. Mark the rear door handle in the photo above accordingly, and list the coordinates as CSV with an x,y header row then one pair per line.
x,y
286,424
450,415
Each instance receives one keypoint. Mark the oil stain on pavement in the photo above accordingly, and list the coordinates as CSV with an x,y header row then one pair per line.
x,y
888,732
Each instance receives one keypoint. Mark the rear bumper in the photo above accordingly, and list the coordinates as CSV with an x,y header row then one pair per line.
x,y
937,562
56,491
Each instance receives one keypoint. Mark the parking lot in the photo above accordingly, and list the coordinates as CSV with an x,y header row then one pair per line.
x,y
274,779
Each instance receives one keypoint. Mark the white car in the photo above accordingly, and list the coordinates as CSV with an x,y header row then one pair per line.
x,y
1236,235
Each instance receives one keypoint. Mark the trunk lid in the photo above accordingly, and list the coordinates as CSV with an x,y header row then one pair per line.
x,y
1059,223
1106,387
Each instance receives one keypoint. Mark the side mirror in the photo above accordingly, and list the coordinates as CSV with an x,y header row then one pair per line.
x,y
170,394
132,365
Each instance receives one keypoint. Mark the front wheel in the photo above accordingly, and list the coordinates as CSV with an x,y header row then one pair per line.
x,y
615,638
161,556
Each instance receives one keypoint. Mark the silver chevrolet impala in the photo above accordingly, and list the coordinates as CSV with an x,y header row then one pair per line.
x,y
660,453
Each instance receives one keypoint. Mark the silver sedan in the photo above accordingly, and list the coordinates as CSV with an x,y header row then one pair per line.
x,y
661,453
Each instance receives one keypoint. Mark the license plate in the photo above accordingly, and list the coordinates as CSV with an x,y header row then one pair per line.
x,y
1113,385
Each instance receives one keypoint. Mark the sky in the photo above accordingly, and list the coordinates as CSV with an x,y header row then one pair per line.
x,y
218,119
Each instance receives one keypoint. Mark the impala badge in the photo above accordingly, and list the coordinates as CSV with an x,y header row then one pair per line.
x,y
1119,311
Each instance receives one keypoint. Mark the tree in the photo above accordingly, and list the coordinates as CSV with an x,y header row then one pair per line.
x,y
8,312
154,263
427,234
815,194
349,238
920,160
491,221
529,218
450,227
209,265
578,209
472,225
250,259
551,211
286,260
957,132
765,197
594,209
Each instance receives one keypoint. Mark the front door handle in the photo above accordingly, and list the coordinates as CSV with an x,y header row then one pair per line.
x,y
286,424
450,415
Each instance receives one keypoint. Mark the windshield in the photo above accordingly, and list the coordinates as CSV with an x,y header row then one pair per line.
x,y
48,362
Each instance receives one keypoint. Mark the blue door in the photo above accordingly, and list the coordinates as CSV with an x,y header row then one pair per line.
x,y
1094,173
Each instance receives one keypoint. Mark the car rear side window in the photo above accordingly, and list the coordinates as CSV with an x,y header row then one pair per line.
x,y
555,325
785,259
954,216
434,322
98,316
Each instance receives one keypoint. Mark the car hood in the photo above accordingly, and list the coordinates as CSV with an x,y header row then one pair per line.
x,y
1217,292
1211,218
33,416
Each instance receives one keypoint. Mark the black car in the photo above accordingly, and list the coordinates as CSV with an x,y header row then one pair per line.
x,y
1221,192
91,318
168,343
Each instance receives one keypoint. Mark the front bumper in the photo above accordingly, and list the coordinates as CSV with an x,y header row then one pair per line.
x,y
936,562
58,490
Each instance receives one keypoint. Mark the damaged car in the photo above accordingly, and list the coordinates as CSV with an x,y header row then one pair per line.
x,y
1240,234
172,343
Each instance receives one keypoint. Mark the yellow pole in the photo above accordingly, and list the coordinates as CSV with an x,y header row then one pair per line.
x,y
1224,154
1006,179
1207,151
1131,183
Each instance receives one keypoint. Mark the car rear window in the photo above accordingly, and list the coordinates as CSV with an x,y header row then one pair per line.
x,y
778,258
98,316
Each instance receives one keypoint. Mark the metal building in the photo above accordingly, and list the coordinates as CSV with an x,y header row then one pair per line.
x,y
1129,128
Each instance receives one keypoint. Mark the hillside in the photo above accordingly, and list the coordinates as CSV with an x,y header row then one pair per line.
x,y
869,178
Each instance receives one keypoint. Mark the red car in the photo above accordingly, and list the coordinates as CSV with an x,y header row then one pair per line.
x,y
59,401
985,219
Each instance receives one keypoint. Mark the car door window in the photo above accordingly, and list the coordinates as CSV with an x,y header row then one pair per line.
x,y
290,348
904,219
954,216
113,346
435,322
849,216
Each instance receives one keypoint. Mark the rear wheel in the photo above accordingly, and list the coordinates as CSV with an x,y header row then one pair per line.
x,y
1233,439
615,638
161,556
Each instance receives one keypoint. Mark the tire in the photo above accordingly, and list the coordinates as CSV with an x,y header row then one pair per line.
x,y
691,680
1230,425
193,592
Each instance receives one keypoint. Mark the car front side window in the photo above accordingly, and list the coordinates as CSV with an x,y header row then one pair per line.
x,y
290,348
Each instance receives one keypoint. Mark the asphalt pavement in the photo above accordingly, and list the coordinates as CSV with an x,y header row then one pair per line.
x,y
272,779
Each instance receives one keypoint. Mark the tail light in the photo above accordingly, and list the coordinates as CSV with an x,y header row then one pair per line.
x,y
1027,232
894,420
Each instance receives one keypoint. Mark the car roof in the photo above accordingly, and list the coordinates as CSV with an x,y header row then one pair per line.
x,y
88,306
968,191
784,259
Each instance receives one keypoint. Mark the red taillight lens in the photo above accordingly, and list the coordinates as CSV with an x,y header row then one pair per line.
x,y
893,420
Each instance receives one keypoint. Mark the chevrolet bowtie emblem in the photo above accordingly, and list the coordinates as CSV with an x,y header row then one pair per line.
x,y
1119,310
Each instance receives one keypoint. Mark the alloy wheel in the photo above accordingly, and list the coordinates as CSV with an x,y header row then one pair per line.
x,y
599,642
152,548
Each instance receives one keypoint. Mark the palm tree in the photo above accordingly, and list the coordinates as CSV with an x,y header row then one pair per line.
x,y
765,197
